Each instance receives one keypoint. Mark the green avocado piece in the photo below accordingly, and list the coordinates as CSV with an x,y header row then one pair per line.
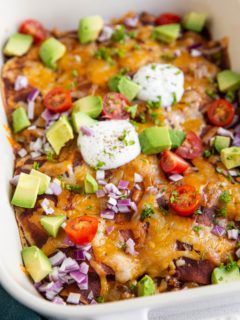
x,y
167,33
44,180
221,142
128,88
81,119
25,195
177,137
228,80
90,28
154,140
20,120
231,157
114,82
223,275
59,134
91,105
52,224
18,44
146,286
36,262
90,184
194,21
51,51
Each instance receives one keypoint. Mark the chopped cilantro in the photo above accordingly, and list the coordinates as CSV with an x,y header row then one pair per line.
x,y
207,153
174,196
50,156
225,197
211,93
197,229
154,104
99,165
174,98
131,34
100,299
132,110
168,56
74,73
230,96
36,165
119,34
198,211
153,66
104,54
142,117
136,46
231,226
119,52
73,187
222,212
147,212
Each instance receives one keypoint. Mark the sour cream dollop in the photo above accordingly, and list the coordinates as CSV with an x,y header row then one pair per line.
x,y
160,82
111,144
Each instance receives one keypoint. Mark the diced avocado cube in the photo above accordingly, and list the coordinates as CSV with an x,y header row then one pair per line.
x,y
231,157
228,80
167,33
221,142
90,184
146,286
18,44
114,82
44,180
223,275
52,224
91,105
81,119
59,134
51,51
128,88
194,21
177,137
25,195
20,120
155,140
90,28
36,263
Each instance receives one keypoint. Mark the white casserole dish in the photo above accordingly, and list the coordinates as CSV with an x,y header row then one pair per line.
x,y
65,14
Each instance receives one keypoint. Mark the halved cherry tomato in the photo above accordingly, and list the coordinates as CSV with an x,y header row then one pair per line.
x,y
167,18
191,147
220,113
185,200
33,28
114,105
58,100
171,163
82,230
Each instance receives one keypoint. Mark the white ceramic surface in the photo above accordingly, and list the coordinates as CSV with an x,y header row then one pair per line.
x,y
65,14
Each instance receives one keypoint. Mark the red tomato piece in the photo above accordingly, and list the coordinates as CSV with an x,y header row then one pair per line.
x,y
114,105
58,100
82,230
191,147
185,200
172,163
34,29
167,18
220,113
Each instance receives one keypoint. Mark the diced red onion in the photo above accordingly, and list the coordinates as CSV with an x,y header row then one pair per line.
x,y
137,178
73,298
195,53
87,131
68,242
22,152
233,173
130,247
112,201
57,259
36,145
225,132
102,182
87,255
175,177
93,301
85,247
90,295
124,209
56,188
54,275
131,22
78,255
56,287
30,108
109,230
35,154
49,116
69,265
84,285
14,180
21,82
58,300
100,174
195,46
84,267
111,188
46,286
78,276
218,230
32,128
232,234
177,53
33,95
106,34
100,194
124,202
133,206
123,184
137,187
238,253
107,214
